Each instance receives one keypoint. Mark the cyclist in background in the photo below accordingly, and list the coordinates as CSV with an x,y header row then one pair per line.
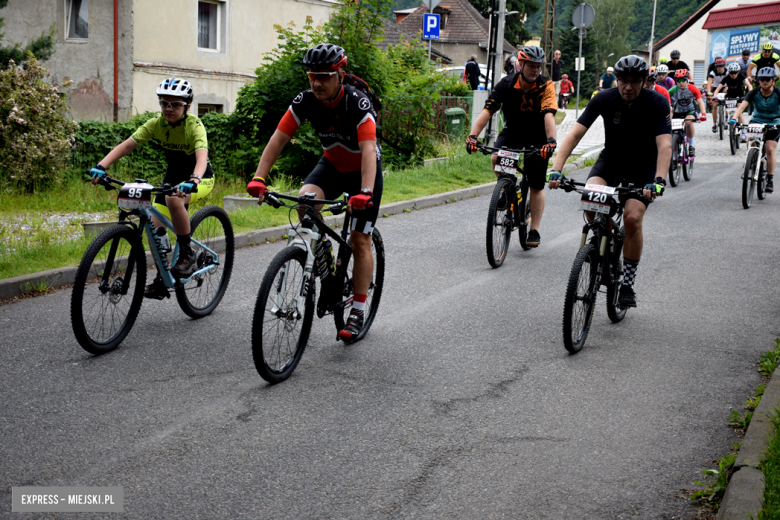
x,y
528,101
637,150
567,87
607,79
345,121
766,110
744,62
713,81
185,144
767,58
663,77
735,85
686,99
676,64
651,84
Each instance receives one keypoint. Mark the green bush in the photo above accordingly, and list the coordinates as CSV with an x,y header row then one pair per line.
x,y
35,136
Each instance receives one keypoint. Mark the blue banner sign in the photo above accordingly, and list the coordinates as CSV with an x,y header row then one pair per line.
x,y
730,44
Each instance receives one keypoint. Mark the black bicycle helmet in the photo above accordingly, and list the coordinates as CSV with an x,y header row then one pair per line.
x,y
631,65
325,56
652,76
531,53
674,54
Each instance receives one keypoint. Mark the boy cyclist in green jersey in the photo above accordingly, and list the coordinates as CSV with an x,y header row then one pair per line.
x,y
183,139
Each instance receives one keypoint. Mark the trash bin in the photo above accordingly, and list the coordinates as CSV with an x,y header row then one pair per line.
x,y
455,122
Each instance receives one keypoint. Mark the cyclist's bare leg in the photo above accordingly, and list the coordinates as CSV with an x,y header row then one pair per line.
x,y
536,201
715,111
771,156
364,261
179,216
689,126
318,194
633,214
493,161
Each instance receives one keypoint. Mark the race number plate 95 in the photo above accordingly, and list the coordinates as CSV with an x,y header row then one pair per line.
x,y
598,198
134,195
507,162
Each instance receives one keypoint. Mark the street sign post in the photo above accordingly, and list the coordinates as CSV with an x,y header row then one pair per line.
x,y
431,25
581,19
431,4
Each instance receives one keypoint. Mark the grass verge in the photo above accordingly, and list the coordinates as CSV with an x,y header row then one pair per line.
x,y
770,466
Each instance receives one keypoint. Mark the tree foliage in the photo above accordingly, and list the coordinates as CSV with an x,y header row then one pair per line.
x,y
568,43
515,30
35,136
41,48
609,31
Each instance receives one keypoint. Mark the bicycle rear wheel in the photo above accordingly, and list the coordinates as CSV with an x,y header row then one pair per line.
x,y
674,164
615,312
761,183
280,330
747,177
580,298
499,222
340,313
211,227
523,215
108,289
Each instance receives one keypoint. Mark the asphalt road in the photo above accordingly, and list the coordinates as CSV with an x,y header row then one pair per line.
x,y
460,403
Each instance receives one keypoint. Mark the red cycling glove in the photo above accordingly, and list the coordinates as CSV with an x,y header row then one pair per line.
x,y
471,144
703,117
548,149
256,187
362,201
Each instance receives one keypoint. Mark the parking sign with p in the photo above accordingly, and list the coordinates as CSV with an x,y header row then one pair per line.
x,y
431,26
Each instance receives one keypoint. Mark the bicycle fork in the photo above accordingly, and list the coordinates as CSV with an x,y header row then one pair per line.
x,y
308,244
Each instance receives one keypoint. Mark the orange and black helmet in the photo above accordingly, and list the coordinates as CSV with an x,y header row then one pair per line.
x,y
531,53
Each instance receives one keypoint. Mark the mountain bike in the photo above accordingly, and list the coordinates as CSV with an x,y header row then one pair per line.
x,y
680,155
599,261
722,121
754,174
285,306
565,100
109,285
509,207
734,135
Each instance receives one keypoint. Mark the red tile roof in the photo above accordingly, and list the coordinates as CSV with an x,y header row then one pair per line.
x,y
464,24
744,15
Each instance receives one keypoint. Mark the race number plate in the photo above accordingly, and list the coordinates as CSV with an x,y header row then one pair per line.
x,y
598,198
507,162
677,124
134,195
731,103
755,130
721,96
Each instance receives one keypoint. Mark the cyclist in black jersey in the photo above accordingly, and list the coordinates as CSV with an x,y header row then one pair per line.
x,y
714,78
675,64
529,104
345,122
735,84
637,150
767,58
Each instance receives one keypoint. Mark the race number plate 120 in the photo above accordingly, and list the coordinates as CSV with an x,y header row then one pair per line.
x,y
598,198
507,162
134,195
677,124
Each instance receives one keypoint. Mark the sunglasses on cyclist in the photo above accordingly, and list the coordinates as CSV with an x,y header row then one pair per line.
x,y
682,80
322,76
173,105
766,79
633,82
733,73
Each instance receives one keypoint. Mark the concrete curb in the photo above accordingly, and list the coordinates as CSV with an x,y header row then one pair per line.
x,y
55,278
745,491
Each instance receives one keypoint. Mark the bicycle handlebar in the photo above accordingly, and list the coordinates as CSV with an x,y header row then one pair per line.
x,y
165,189
336,206
489,149
569,185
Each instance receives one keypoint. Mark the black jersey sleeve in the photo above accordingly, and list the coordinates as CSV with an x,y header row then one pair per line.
x,y
661,119
750,95
498,95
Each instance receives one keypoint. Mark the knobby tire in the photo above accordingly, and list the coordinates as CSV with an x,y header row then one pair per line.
x,y
499,222
580,298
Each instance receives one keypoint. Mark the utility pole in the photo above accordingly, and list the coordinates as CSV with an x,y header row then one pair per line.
x,y
652,35
548,35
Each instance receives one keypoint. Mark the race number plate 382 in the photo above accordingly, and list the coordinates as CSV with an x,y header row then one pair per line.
x,y
507,162
598,198
134,195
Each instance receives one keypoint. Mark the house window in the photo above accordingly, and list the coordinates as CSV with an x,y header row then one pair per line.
x,y
205,109
77,22
208,26
699,70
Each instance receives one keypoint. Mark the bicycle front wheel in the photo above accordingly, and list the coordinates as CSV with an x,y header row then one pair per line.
x,y
580,299
761,183
674,164
341,312
211,227
747,177
721,118
280,327
616,313
523,215
733,137
499,222
108,289
688,169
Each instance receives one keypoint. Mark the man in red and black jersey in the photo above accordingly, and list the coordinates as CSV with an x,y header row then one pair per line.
x,y
529,103
345,122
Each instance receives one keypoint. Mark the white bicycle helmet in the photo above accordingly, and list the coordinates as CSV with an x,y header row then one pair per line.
x,y
662,69
176,87
734,67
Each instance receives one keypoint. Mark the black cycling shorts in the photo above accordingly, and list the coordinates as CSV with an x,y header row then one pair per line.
x,y
617,175
333,183
772,135
534,167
